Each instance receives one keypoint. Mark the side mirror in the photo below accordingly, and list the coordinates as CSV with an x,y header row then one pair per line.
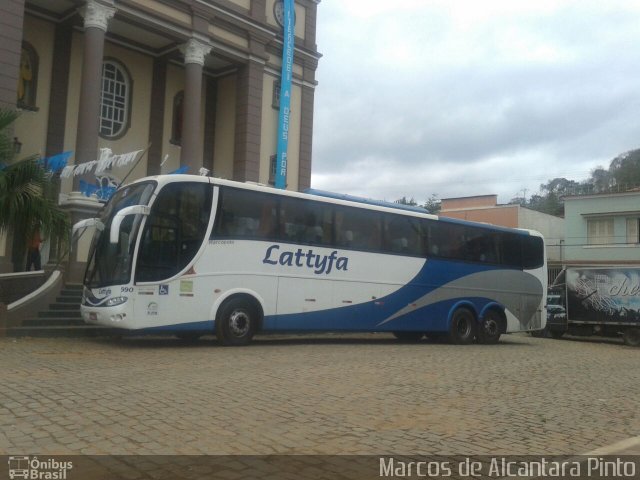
x,y
114,234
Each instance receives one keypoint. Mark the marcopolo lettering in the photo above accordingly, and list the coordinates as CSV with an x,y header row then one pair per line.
x,y
299,258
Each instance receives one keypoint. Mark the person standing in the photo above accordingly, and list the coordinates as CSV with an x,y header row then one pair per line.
x,y
33,251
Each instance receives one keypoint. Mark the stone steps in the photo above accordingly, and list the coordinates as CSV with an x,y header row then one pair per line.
x,y
61,319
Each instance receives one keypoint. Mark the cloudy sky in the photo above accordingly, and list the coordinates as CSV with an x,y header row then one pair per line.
x,y
467,97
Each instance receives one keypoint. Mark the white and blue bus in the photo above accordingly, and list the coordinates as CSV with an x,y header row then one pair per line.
x,y
193,255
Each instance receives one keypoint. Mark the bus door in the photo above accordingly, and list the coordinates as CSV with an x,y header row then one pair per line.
x,y
173,235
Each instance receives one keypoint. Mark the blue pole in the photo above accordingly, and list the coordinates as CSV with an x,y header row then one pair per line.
x,y
285,96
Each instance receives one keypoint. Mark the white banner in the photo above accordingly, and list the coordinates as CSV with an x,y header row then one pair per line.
x,y
106,160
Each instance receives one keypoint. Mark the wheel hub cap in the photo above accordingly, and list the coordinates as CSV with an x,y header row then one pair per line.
x,y
239,323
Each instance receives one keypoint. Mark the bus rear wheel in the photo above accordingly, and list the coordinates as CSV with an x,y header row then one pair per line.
x,y
463,327
490,328
236,322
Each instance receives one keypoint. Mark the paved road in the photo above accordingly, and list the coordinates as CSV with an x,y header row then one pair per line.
x,y
326,394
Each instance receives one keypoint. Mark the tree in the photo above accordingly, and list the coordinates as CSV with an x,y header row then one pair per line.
x,y
601,179
405,201
26,193
549,200
625,169
432,205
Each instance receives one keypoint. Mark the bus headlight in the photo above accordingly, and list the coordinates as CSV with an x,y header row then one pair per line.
x,y
115,301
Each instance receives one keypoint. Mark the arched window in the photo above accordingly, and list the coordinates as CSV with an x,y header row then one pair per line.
x,y
115,100
27,77
176,123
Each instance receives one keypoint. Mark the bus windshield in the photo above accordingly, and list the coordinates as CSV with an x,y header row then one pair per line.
x,y
110,264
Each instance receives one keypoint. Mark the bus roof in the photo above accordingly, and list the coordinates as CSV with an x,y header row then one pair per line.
x,y
367,201
332,197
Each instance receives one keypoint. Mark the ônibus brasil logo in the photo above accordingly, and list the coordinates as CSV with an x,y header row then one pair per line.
x,y
35,469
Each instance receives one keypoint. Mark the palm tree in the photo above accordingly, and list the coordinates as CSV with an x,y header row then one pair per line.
x,y
26,193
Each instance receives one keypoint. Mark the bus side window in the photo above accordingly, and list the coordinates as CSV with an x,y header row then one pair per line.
x,y
268,222
224,224
512,250
532,252
358,229
478,246
245,214
402,235
306,222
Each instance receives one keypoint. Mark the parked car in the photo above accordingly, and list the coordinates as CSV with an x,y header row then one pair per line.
x,y
556,316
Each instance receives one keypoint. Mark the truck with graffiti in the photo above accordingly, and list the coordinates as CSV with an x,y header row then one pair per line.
x,y
599,301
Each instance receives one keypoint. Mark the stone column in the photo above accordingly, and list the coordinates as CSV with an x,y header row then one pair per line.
x,y
11,20
79,207
56,124
156,115
306,139
191,154
96,17
306,123
210,103
246,161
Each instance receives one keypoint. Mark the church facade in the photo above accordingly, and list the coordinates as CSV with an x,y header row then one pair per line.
x,y
195,83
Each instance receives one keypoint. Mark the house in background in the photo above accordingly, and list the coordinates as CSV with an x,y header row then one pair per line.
x,y
485,208
602,229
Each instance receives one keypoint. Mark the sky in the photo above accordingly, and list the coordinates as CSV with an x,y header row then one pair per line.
x,y
463,97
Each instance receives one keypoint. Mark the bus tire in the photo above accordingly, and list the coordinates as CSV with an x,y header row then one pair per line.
x,y
631,337
408,337
236,322
463,327
490,328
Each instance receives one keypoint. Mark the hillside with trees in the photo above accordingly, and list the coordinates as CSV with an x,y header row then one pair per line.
x,y
622,175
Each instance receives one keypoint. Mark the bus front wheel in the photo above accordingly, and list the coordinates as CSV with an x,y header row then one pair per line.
x,y
236,322
463,327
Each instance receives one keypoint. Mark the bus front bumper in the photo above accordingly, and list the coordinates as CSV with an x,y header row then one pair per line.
x,y
115,317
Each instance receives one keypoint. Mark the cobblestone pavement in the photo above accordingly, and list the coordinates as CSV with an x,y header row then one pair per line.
x,y
323,394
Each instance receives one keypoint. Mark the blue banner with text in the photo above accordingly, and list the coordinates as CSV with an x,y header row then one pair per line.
x,y
285,95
